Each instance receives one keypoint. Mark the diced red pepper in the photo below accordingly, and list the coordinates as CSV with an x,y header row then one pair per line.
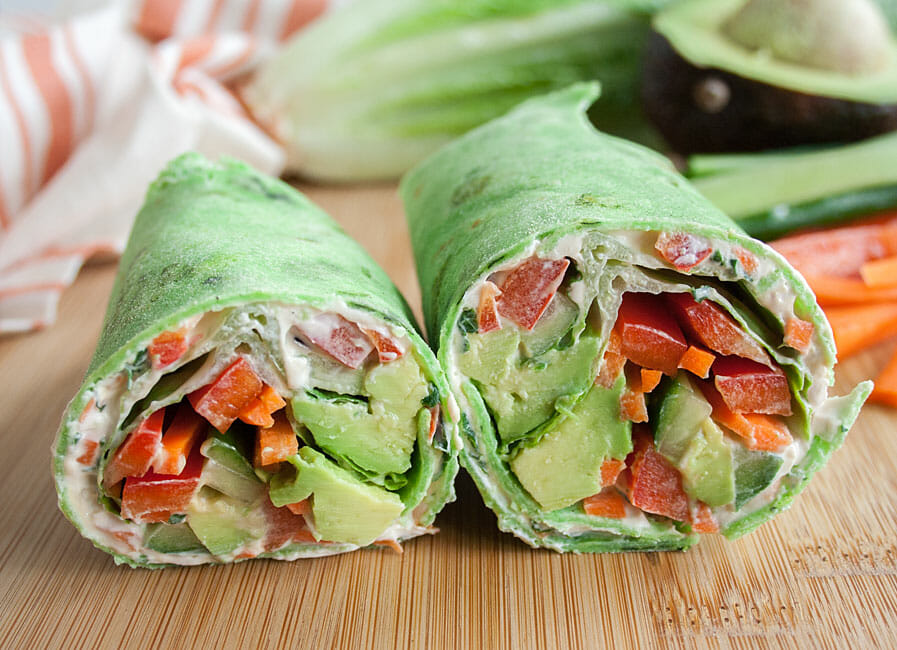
x,y
136,454
682,250
798,334
760,432
275,443
182,434
702,519
610,470
221,401
285,525
340,338
697,361
527,290
607,503
750,387
434,422
613,362
656,485
155,497
748,259
89,455
487,310
259,412
649,335
712,326
167,348
387,349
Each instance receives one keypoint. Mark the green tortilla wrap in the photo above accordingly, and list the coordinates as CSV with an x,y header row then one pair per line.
x,y
631,368
259,388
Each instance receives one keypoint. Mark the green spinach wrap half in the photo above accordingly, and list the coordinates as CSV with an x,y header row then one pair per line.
x,y
259,388
631,368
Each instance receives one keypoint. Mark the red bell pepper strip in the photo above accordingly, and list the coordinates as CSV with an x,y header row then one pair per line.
x,y
655,485
682,250
798,334
760,432
607,503
487,310
697,361
167,348
711,325
259,412
339,338
136,454
610,470
155,497
182,434
221,401
285,525
275,443
750,387
387,349
527,290
649,335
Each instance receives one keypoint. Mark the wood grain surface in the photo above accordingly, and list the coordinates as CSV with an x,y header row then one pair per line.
x,y
821,575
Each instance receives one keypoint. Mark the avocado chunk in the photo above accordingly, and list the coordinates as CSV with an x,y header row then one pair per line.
x,y
378,435
171,538
679,418
754,472
521,394
565,465
706,466
716,78
227,469
345,509
224,524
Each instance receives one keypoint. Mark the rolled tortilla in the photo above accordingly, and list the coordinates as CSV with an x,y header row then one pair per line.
x,y
631,368
259,388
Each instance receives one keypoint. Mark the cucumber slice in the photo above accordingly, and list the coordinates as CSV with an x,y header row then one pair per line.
x,y
171,538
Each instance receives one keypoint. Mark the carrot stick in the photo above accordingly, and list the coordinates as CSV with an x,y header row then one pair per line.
x,y
177,441
607,503
697,361
857,328
885,391
833,291
275,443
880,273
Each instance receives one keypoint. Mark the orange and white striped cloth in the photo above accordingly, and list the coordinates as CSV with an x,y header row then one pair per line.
x,y
93,106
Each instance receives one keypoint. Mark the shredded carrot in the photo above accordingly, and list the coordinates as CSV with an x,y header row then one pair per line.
x,y
610,470
88,407
885,391
697,361
177,441
798,334
390,543
650,379
89,456
748,259
633,407
613,361
856,328
607,503
833,291
434,422
880,273
275,443
260,410
702,520
760,432
300,508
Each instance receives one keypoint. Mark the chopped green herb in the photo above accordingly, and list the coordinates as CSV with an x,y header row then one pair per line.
x,y
432,398
467,322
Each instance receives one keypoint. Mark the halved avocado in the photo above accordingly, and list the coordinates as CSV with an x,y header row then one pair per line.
x,y
710,86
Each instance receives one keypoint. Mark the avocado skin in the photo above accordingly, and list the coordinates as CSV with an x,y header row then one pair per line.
x,y
757,116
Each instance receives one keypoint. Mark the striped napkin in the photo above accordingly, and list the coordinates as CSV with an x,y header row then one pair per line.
x,y
93,106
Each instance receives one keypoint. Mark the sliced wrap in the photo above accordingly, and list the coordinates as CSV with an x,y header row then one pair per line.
x,y
631,367
259,388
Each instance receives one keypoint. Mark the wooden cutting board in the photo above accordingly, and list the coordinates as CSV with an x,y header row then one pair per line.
x,y
823,574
